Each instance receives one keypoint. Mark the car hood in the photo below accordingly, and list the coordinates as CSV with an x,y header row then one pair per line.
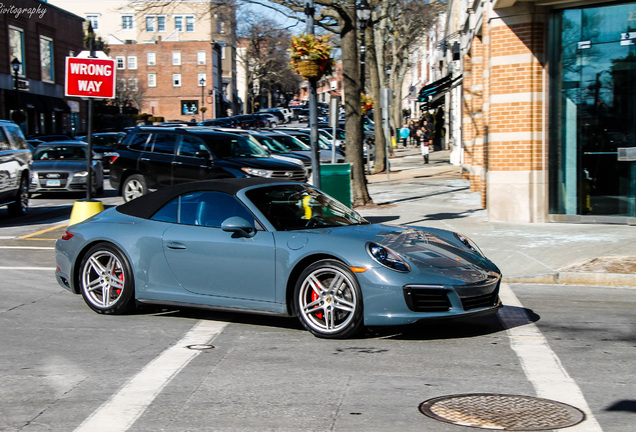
x,y
265,163
433,251
59,165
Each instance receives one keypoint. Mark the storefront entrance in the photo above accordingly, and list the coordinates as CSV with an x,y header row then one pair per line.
x,y
592,121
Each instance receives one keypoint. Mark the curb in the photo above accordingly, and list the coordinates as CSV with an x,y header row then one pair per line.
x,y
618,280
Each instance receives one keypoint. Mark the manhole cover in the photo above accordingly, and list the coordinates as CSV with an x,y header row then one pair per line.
x,y
200,347
502,412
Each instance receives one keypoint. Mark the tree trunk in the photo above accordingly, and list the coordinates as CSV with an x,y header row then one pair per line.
x,y
353,110
380,143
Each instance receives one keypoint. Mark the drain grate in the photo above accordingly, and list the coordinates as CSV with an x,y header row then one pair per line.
x,y
502,412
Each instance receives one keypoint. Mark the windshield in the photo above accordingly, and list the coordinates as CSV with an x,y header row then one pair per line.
x,y
273,145
291,143
298,206
59,153
228,146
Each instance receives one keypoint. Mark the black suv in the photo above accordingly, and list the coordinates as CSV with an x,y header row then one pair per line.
x,y
156,157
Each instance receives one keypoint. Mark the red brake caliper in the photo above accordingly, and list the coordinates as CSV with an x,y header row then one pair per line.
x,y
121,278
314,297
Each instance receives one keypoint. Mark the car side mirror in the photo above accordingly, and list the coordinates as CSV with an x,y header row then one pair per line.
x,y
203,154
238,225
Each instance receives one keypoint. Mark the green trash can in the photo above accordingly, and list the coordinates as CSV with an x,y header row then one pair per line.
x,y
335,180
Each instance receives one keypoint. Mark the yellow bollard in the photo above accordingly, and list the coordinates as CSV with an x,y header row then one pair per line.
x,y
83,209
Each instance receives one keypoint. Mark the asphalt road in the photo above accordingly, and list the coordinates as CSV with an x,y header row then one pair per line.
x,y
65,368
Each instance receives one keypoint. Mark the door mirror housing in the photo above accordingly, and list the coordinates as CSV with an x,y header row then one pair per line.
x,y
239,226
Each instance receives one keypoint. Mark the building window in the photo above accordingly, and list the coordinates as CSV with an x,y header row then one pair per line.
x,y
222,53
151,59
121,62
127,22
200,77
179,21
121,84
176,80
46,59
189,23
150,23
200,57
16,46
161,23
94,20
176,58
132,62
132,84
152,80
220,24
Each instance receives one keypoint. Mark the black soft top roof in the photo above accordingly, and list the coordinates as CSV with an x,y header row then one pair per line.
x,y
147,205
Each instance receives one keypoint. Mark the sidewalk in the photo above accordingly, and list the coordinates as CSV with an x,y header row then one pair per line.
x,y
552,253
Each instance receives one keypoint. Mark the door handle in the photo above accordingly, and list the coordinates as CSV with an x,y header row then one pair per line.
x,y
176,245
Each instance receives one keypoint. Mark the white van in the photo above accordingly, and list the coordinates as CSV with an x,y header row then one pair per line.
x,y
15,160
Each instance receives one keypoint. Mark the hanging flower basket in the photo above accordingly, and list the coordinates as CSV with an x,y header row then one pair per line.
x,y
308,69
310,56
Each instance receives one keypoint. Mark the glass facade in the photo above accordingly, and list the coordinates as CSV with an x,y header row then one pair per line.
x,y
592,152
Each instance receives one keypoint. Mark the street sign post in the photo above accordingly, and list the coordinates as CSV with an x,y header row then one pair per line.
x,y
89,77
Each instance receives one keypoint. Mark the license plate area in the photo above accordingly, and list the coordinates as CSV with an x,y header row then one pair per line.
x,y
54,183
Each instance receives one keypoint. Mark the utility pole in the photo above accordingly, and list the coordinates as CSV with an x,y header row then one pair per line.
x,y
313,105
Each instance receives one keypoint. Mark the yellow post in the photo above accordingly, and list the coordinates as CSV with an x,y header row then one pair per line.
x,y
83,209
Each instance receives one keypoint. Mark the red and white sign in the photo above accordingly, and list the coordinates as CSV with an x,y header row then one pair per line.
x,y
90,77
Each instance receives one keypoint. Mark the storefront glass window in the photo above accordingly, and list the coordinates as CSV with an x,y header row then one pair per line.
x,y
593,111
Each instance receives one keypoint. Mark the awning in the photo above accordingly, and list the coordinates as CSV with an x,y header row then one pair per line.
x,y
55,104
25,100
431,95
39,103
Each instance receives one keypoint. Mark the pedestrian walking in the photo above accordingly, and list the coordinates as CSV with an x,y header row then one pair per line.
x,y
404,134
424,137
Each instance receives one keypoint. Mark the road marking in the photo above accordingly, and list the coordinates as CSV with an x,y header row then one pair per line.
x,y
128,404
28,268
28,247
541,365
53,228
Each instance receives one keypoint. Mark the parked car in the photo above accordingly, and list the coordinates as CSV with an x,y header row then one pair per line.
x,y
154,158
104,143
325,146
297,145
273,247
286,113
249,121
225,122
268,119
62,166
275,149
15,158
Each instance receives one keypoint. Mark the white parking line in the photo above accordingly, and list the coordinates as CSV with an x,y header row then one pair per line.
x,y
128,404
540,364
28,247
28,268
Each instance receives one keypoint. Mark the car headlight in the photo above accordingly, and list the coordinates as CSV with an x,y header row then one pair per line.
x,y
257,172
469,244
387,257
80,174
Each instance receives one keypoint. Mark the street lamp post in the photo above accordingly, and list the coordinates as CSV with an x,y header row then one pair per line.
x,y
363,13
202,109
15,65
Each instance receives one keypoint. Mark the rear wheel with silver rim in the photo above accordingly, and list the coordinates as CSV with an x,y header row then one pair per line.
x,y
20,206
328,300
134,187
106,281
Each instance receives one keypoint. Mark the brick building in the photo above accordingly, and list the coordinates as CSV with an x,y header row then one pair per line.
x,y
40,36
548,108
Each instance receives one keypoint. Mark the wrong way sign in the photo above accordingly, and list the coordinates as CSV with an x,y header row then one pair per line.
x,y
90,77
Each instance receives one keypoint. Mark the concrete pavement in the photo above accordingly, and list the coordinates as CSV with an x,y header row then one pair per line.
x,y
555,253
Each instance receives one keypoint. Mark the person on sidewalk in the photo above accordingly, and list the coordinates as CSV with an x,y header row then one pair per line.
x,y
404,134
424,137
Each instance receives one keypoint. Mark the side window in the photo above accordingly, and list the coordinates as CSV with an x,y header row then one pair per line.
x,y
163,143
204,208
19,143
215,207
190,146
138,141
4,141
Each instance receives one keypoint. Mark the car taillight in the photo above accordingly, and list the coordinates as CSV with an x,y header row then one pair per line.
x,y
67,236
113,157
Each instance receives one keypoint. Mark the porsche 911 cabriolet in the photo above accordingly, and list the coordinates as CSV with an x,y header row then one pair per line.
x,y
270,246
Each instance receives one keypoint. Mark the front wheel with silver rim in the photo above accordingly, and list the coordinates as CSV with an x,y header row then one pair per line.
x,y
328,300
134,187
106,280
